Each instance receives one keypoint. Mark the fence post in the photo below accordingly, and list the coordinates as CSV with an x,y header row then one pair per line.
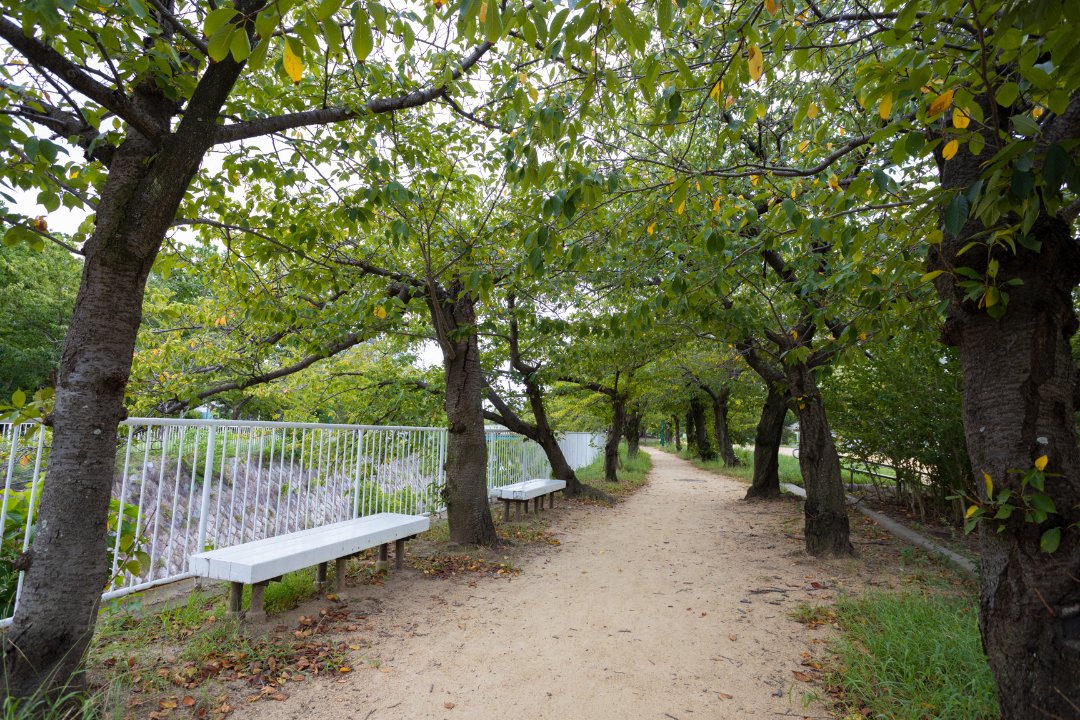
x,y
356,482
208,471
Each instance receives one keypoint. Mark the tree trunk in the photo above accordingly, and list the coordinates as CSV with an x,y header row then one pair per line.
x,y
611,448
632,432
701,432
720,428
770,430
467,510
691,434
678,434
827,531
68,570
1019,403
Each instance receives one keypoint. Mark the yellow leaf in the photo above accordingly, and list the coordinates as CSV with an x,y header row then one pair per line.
x,y
885,109
483,12
727,103
715,94
1037,112
523,78
345,669
294,66
682,206
950,149
803,145
960,118
1040,464
834,182
812,111
941,104
971,510
989,486
380,312
716,205
754,179
755,62
772,7
862,336
533,94
651,228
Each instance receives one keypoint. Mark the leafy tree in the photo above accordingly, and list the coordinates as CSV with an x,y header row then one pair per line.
x,y
37,292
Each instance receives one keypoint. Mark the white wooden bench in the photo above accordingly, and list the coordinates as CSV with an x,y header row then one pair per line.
x,y
261,562
527,490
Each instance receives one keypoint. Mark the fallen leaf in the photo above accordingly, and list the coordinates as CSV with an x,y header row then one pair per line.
x,y
733,638
384,671
448,705
345,669
725,695
800,676
188,701
280,628
817,585
354,647
168,704
279,697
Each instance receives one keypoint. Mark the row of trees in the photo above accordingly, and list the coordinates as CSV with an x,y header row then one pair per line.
x,y
789,188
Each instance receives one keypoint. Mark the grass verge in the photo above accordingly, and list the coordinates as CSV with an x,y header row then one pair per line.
x,y
631,475
909,656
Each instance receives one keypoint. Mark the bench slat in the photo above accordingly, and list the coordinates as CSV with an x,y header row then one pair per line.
x,y
264,559
529,489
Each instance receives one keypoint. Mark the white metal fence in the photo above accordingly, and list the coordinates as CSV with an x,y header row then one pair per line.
x,y
183,486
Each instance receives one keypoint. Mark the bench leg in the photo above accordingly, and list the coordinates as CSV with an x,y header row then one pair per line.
x,y
257,612
236,594
399,554
517,509
551,501
384,561
320,577
536,506
339,574
506,514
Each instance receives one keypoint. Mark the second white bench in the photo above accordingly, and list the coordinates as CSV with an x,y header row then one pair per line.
x,y
261,562
522,492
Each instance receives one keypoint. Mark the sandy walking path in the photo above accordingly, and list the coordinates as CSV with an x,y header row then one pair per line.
x,y
632,617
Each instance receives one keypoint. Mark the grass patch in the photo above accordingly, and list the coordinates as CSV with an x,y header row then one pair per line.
x,y
911,656
631,475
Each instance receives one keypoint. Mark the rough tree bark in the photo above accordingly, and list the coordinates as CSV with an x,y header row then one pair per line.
x,y
701,430
678,433
465,493
770,430
632,430
611,447
1019,399
720,425
827,528
691,433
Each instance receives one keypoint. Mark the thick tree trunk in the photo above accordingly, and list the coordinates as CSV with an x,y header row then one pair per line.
x,y
720,428
770,430
632,432
691,434
701,431
1019,403
827,529
467,510
611,448
678,434
68,570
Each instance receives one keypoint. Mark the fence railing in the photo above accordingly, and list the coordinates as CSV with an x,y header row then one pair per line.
x,y
184,486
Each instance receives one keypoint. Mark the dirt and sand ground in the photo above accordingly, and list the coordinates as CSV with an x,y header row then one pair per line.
x,y
673,604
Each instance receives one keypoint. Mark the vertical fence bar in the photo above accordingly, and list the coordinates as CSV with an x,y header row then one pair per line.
x,y
16,433
29,512
208,473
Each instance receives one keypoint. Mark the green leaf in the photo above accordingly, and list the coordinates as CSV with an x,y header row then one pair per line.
x,y
930,276
240,46
663,15
493,26
1056,165
219,43
326,9
362,42
216,19
956,214
1025,125
18,398
1007,94
1050,540
1043,503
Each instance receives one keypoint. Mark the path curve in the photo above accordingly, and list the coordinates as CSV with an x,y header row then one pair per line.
x,y
632,617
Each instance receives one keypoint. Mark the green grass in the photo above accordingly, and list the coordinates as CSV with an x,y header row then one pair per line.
x,y
913,656
789,467
631,475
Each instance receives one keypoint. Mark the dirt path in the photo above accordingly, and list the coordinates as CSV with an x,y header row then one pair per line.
x,y
632,617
